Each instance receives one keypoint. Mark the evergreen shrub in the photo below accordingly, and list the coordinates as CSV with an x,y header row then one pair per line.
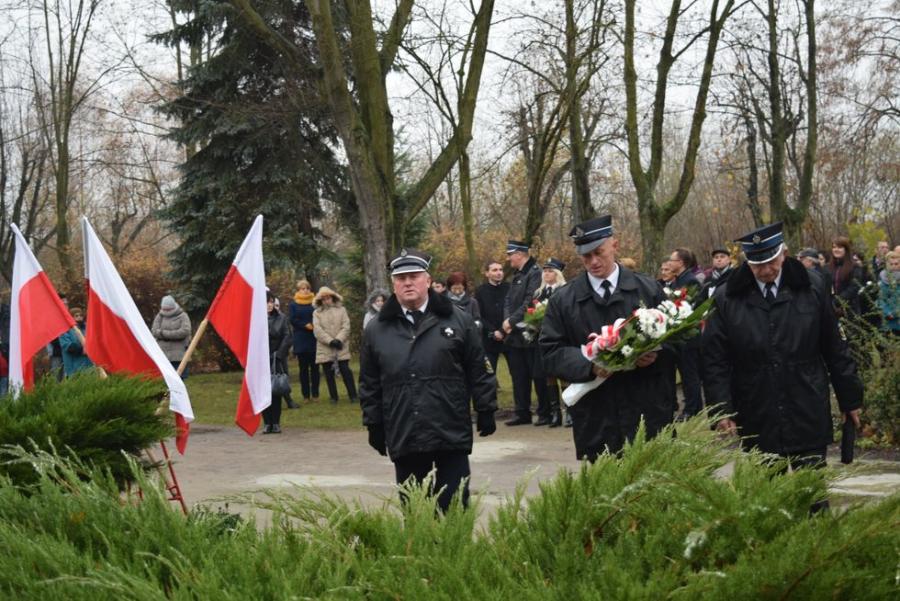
x,y
657,523
93,419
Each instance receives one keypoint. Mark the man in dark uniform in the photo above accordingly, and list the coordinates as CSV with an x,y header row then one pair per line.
x,y
491,297
769,349
608,416
718,275
421,362
682,262
521,353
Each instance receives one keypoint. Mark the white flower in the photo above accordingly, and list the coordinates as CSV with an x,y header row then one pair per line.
x,y
626,351
667,291
685,310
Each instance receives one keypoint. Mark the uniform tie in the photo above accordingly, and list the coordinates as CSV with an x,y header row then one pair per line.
x,y
416,316
606,285
770,292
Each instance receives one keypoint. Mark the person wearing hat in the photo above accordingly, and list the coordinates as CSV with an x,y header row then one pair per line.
x,y
421,363
331,327
719,274
553,278
608,416
770,348
520,352
809,257
172,330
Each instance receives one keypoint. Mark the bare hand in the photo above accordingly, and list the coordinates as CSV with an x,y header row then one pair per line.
x,y
498,335
506,327
854,415
726,426
646,359
600,372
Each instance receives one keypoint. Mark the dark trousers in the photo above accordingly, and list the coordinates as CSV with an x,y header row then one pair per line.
x,y
309,374
346,375
493,358
689,368
272,413
451,468
522,370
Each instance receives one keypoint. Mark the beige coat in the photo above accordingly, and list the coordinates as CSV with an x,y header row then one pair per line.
x,y
330,323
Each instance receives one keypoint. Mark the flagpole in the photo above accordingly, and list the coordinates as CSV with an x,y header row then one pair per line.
x,y
201,329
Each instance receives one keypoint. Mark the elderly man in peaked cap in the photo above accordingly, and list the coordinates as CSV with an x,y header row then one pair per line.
x,y
608,416
769,349
421,362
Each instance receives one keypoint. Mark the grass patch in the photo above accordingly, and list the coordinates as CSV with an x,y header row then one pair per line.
x,y
214,397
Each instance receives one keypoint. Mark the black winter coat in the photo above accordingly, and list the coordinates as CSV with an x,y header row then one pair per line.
x,y
279,336
521,292
490,302
609,415
770,365
712,283
418,383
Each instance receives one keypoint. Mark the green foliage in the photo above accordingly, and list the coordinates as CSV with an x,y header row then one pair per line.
x,y
86,417
263,142
657,523
865,236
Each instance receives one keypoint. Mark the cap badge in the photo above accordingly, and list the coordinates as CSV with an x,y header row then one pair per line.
x,y
403,252
579,232
756,239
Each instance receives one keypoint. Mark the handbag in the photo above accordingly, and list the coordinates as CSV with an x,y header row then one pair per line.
x,y
281,382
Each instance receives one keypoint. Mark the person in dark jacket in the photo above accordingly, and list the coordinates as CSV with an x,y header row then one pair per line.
x,y
769,349
718,275
301,314
846,277
552,279
521,353
458,293
491,297
279,345
682,263
420,364
608,416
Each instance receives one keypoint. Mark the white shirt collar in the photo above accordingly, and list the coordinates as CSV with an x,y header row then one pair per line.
x,y
407,313
613,279
775,288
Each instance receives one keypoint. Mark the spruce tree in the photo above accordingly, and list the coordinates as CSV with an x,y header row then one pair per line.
x,y
264,144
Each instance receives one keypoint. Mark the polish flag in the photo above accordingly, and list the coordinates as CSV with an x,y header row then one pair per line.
x,y
238,313
37,315
117,338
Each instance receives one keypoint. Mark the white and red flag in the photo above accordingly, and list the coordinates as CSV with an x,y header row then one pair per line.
x,y
238,313
37,315
118,339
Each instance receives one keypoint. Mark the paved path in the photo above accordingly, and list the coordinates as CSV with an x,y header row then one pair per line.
x,y
222,461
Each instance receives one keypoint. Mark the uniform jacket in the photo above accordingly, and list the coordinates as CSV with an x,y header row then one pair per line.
x,y
173,333
301,314
491,300
73,357
418,384
609,415
521,292
331,323
771,365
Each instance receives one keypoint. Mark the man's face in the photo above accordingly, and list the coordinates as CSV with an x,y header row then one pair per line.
x,y
665,272
517,259
721,260
601,261
411,288
676,264
767,272
883,248
894,264
809,262
494,273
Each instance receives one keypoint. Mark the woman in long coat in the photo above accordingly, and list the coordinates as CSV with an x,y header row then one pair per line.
x,y
331,327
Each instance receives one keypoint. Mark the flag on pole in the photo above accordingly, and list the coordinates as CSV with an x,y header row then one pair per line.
x,y
117,338
37,314
238,313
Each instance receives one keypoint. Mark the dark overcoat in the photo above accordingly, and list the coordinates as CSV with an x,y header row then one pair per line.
x,y
520,296
418,383
608,416
490,304
770,365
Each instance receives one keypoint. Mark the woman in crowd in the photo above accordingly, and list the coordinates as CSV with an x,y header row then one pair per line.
x,y
458,293
279,344
331,326
373,305
889,293
301,315
845,276
172,330
551,280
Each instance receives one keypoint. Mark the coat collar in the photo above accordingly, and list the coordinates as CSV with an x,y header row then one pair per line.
x,y
437,304
528,266
583,289
793,276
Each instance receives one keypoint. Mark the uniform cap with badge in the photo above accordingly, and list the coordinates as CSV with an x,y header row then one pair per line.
x,y
591,234
554,264
513,246
409,260
763,244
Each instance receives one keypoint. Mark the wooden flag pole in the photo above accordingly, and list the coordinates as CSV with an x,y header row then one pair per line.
x,y
201,329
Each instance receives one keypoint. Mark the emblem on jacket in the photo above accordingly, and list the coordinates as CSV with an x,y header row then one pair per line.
x,y
448,332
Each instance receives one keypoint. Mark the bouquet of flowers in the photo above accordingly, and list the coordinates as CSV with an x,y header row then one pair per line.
x,y
533,319
617,347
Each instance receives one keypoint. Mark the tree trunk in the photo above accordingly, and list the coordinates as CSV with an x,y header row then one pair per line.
x,y
581,193
465,199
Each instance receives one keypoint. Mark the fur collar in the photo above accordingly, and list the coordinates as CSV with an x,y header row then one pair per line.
x,y
437,304
793,275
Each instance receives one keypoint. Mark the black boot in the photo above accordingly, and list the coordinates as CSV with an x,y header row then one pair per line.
x,y
555,411
567,420
290,403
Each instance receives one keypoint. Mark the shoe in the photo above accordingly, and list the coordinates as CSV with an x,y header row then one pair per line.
x,y
555,420
267,429
542,421
567,420
306,399
315,398
518,421
276,429
291,404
